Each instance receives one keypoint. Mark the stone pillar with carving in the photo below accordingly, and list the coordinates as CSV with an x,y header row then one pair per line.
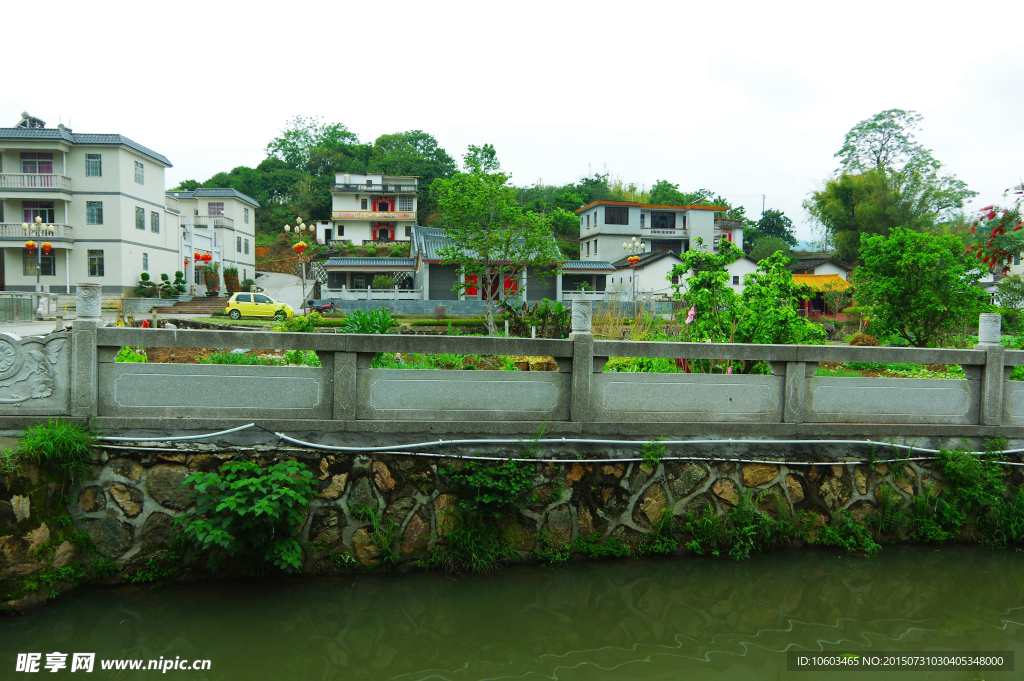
x,y
84,365
992,375
582,360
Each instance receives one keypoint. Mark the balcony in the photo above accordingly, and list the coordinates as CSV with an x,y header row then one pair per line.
x,y
677,233
171,203
41,181
377,188
14,231
209,221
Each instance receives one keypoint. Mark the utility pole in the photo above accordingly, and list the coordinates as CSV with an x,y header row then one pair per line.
x,y
762,205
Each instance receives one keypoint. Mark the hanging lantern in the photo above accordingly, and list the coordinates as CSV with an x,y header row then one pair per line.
x,y
186,262
47,247
207,257
30,245
299,247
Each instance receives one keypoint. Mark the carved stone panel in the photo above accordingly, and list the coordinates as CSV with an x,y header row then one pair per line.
x,y
34,374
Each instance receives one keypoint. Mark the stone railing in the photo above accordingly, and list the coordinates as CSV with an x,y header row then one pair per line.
x,y
346,393
35,181
14,230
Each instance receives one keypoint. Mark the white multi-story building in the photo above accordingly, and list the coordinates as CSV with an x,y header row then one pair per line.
x,y
605,225
101,201
221,223
368,208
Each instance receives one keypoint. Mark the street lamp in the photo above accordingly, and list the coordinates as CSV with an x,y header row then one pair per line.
x,y
31,246
633,248
299,248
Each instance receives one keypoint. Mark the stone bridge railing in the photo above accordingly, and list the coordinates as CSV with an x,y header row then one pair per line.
x,y
76,375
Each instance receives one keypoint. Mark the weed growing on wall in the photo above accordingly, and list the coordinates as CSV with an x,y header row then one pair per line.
x,y
245,511
846,533
653,452
661,540
63,446
383,533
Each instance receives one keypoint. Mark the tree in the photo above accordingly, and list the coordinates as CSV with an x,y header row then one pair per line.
x,y
884,141
769,311
773,223
413,152
998,235
1011,292
481,159
703,286
491,239
564,224
917,286
302,135
767,245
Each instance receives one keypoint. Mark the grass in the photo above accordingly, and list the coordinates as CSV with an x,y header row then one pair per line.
x,y
60,444
299,357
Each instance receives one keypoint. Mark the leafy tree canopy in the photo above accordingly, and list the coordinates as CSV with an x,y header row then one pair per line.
x,y
917,286
773,223
767,245
492,238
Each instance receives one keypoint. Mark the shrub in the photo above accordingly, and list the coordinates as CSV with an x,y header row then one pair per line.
x,y
371,250
238,358
245,511
211,277
306,324
374,321
440,312
864,339
383,281
179,283
62,445
127,354
231,284
247,284
146,288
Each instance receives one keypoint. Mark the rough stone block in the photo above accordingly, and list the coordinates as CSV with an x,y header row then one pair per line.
x,y
163,482
757,474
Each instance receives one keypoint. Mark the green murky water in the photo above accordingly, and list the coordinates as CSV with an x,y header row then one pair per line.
x,y
631,619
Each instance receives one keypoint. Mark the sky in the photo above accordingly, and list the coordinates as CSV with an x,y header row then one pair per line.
x,y
748,99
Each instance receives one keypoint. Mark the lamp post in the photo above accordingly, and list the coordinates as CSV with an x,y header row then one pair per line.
x,y
30,228
633,248
299,248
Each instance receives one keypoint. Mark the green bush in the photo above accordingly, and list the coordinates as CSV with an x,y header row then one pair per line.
x,y
383,281
245,511
304,324
374,321
238,358
127,354
64,446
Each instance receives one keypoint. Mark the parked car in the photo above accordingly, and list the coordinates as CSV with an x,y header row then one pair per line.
x,y
256,305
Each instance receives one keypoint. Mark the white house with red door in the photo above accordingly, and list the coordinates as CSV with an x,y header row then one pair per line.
x,y
368,208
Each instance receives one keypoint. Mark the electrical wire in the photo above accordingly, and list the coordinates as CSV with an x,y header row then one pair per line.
x,y
174,439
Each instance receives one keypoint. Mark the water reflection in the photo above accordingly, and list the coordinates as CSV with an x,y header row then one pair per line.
x,y
634,619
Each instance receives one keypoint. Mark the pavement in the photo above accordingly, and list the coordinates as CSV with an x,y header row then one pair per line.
x,y
284,288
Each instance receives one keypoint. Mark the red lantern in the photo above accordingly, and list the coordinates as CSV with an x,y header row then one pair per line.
x,y
198,257
299,247
186,262
47,246
207,257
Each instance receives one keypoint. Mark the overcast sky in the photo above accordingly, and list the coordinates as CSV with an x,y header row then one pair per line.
x,y
743,98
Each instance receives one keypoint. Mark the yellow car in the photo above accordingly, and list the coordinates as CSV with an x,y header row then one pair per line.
x,y
256,305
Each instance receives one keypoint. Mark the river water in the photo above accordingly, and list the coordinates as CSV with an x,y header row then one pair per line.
x,y
628,619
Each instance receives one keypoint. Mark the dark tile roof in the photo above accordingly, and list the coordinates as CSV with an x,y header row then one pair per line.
x,y
813,263
587,266
645,259
214,193
408,263
428,242
65,135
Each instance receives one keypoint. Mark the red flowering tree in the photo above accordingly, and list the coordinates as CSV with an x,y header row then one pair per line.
x,y
999,233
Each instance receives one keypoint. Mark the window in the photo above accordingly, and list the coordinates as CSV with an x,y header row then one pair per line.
x,y
257,298
37,209
1016,258
93,165
46,269
247,247
145,262
663,220
369,183
154,222
245,215
642,216
215,208
339,230
408,230
588,248
675,280
362,204
595,246
238,244
140,173
95,263
405,203
243,298
245,274
140,219
615,215
94,212
735,280
37,163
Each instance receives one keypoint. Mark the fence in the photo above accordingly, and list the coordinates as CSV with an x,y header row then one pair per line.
x,y
17,307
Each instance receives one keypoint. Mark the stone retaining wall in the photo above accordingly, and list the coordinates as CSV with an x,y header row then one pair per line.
x,y
129,500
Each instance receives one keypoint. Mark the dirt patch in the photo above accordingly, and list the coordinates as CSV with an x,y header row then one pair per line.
x,y
193,355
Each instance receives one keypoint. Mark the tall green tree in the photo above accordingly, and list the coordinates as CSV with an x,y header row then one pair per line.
x,y
301,136
886,179
414,152
767,245
917,286
491,238
773,223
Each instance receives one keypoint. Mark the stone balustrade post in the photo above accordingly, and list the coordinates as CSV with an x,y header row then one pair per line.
x,y
992,386
794,401
84,358
582,360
